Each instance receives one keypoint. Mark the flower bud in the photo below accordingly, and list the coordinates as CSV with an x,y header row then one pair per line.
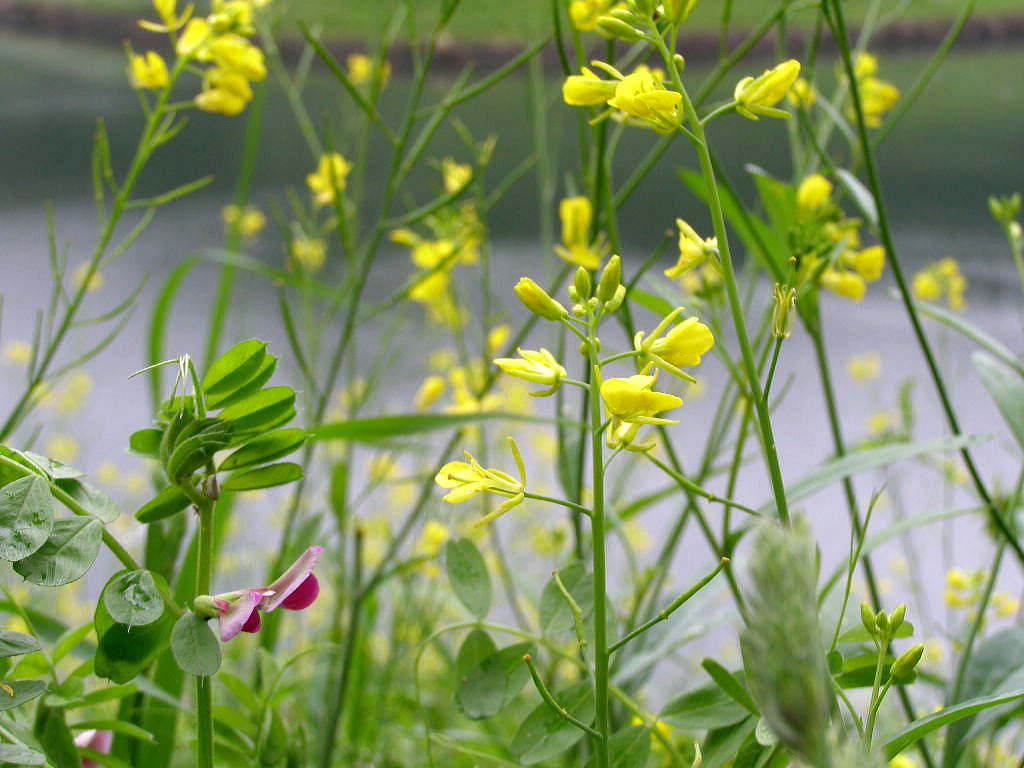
x,y
582,284
616,301
882,622
897,616
611,279
867,618
908,660
643,7
205,607
538,301
619,29
680,62
677,11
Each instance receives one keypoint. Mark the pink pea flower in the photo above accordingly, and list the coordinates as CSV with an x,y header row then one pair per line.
x,y
294,590
97,740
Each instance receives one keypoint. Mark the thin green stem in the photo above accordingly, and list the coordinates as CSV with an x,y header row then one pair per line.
x,y
204,690
554,705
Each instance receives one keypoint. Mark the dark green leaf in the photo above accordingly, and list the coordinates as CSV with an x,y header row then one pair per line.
x,y
26,517
268,447
52,732
263,477
123,652
731,684
24,690
16,644
16,754
66,556
261,410
490,686
707,707
723,744
468,575
170,501
236,366
132,598
545,733
477,646
194,646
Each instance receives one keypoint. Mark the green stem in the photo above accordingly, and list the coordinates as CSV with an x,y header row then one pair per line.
x,y
729,279
555,706
598,554
204,690
836,21
883,644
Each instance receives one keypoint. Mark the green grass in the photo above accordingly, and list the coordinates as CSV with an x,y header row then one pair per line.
x,y
490,19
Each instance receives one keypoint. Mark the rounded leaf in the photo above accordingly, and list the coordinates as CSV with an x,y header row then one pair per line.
x,y
263,477
26,517
468,575
235,367
67,554
132,598
194,646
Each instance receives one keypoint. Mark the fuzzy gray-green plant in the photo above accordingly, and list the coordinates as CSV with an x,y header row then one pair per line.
x,y
782,649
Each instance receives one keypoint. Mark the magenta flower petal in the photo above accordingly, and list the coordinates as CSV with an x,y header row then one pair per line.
x,y
98,740
291,579
235,615
252,624
303,596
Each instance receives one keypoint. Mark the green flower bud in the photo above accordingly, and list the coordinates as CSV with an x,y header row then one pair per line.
x,y
537,300
867,618
616,301
908,660
205,607
611,279
882,622
680,62
644,8
619,29
677,11
581,281
897,616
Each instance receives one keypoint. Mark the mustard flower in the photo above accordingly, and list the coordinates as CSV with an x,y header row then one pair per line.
x,y
236,54
693,250
497,337
250,220
194,39
941,279
465,399
148,71
360,69
864,368
576,215
1005,605
309,253
802,94
868,262
328,178
584,14
587,89
167,11
223,91
465,479
681,347
538,301
428,393
538,366
758,96
632,400
95,280
17,352
432,537
642,96
876,96
849,285
455,175
812,194
239,611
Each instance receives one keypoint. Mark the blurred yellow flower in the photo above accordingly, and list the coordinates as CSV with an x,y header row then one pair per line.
x,y
903,761
360,69
865,367
1004,605
250,220
430,390
813,192
455,175
941,279
62,447
802,94
432,538
328,178
148,70
576,215
693,250
308,253
17,352
847,284
95,280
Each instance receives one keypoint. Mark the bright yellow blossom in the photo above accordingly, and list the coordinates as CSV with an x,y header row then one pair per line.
x,y
867,262
584,13
576,215
455,175
148,70
681,347
236,54
538,366
497,337
431,389
903,761
812,194
224,91
847,284
587,89
876,96
758,96
249,220
802,94
309,253
328,178
632,400
360,69
642,96
941,279
465,479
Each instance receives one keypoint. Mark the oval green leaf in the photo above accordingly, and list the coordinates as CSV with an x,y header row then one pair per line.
x,y
133,599
66,556
146,442
235,367
17,754
263,477
467,573
16,644
491,685
170,501
26,517
268,447
545,733
91,499
261,410
194,646
24,690
250,387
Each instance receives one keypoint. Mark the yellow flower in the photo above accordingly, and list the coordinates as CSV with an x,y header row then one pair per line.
x,y
864,367
576,215
876,98
431,389
108,473
465,400
813,192
328,178
224,91
941,278
465,479
847,284
693,250
632,400
250,220
432,291
587,89
865,65
165,9
74,392
17,352
902,761
538,301
236,54
641,95
681,347
758,96
62,447
432,537
637,536
584,13
957,578
194,39
455,175
926,287
1005,605
497,337
309,253
148,70
802,94
95,280
360,69
880,421
538,366
868,262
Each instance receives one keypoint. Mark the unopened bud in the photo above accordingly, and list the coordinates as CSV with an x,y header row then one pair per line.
x,y
616,301
593,303
882,622
619,29
908,660
626,15
581,281
680,62
205,607
897,616
677,11
643,7
867,618
538,301
579,310
611,279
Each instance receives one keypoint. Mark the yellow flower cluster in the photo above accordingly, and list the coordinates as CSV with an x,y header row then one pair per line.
x,y
639,98
758,95
584,13
941,279
962,587
250,220
876,96
694,251
361,71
